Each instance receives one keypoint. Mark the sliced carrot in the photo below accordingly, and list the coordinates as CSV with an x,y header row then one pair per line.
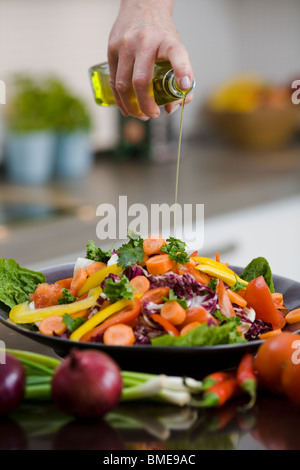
x,y
84,296
153,244
155,295
218,259
81,314
241,293
95,267
143,263
168,327
195,253
78,280
189,268
119,335
64,283
53,325
160,264
277,297
270,333
189,327
126,315
140,284
224,300
293,316
235,298
198,314
173,312
279,306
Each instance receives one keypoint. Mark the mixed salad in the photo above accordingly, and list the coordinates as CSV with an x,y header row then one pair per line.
x,y
147,292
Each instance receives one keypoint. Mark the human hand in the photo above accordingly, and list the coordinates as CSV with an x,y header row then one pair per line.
x,y
143,33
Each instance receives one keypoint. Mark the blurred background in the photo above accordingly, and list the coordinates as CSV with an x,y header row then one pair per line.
x,y
61,155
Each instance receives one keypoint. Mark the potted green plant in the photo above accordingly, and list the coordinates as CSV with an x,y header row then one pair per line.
x,y
74,156
30,138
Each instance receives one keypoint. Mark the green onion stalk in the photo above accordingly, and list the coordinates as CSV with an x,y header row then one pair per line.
x,y
136,385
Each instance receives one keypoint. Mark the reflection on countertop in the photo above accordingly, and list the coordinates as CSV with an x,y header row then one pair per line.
x,y
148,426
224,180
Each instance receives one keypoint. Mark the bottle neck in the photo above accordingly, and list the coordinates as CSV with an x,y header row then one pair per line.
x,y
170,86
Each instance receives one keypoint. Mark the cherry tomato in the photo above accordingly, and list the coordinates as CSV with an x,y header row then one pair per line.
x,y
271,359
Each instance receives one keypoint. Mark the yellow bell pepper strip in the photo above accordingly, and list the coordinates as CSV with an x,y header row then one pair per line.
x,y
95,279
213,263
226,274
23,314
99,318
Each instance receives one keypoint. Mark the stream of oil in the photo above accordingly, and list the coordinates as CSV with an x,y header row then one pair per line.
x,y
178,165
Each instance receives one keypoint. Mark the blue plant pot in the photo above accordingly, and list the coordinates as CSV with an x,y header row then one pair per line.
x,y
74,156
29,157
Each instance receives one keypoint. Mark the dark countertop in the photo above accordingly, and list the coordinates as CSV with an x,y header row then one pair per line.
x,y
131,426
154,426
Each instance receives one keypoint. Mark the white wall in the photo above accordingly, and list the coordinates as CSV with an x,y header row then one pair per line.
x,y
223,37
60,36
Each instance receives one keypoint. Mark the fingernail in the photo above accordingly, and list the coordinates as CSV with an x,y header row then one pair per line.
x,y
144,118
154,116
174,109
185,83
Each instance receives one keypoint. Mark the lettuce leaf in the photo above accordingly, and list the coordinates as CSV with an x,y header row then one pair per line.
x,y
259,267
205,335
17,282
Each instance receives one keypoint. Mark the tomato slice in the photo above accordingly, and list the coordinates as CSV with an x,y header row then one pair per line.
x,y
259,297
46,295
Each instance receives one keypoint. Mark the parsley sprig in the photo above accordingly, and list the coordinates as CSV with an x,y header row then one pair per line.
x,y
117,290
72,323
67,297
97,254
173,296
238,285
132,252
175,248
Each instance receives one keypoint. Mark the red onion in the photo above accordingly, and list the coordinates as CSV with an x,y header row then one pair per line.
x,y
12,384
87,384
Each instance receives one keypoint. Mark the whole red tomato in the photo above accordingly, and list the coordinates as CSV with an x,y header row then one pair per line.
x,y
291,376
272,358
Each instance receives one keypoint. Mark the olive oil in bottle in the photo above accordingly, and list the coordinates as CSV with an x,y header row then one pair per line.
x,y
165,89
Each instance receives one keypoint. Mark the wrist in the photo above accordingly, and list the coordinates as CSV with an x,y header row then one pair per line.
x,y
148,4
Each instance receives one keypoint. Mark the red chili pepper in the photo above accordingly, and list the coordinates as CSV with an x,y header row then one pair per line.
x,y
216,378
246,377
219,394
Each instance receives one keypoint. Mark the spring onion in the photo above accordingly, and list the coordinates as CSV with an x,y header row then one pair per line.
x,y
136,385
